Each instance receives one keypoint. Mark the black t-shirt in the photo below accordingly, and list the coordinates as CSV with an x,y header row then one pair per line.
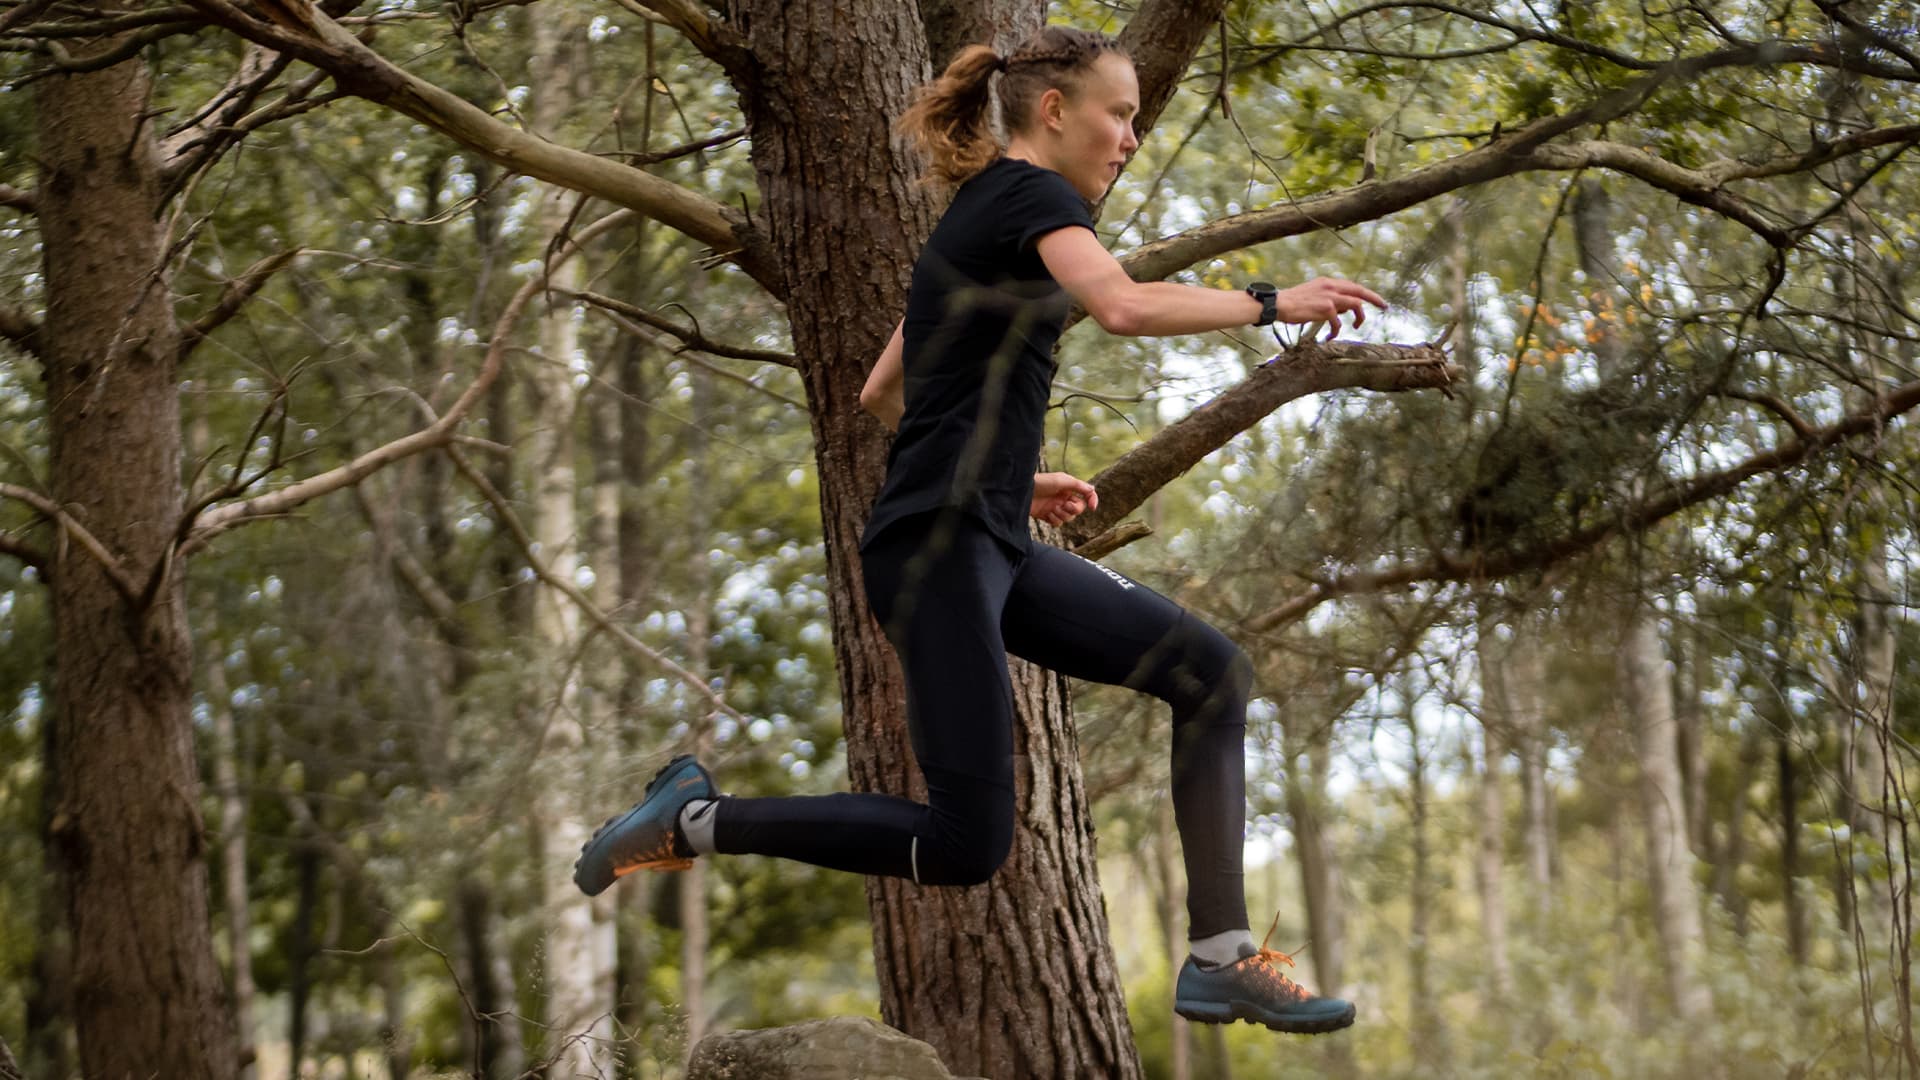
x,y
983,316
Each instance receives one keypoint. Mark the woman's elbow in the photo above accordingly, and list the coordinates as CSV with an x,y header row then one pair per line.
x,y
1121,317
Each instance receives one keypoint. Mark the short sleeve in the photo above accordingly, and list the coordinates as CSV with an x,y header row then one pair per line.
x,y
1037,204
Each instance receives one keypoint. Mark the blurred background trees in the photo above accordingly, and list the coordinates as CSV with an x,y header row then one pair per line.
x,y
1585,715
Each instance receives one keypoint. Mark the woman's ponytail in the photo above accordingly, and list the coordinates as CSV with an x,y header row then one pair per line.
x,y
951,118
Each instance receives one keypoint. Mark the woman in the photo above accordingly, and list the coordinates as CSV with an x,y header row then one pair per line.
x,y
946,558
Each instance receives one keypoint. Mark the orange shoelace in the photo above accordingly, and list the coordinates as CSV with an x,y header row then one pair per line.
x,y
1271,959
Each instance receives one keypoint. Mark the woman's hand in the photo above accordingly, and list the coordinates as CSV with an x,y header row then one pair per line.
x,y
1324,300
1059,498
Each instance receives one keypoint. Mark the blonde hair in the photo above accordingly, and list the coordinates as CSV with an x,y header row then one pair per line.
x,y
950,120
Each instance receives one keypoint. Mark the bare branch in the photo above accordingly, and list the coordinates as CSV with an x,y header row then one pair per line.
x,y
20,328
232,298
692,338
524,541
71,529
715,40
1485,566
19,199
1779,408
438,434
1305,369
18,16
441,606
301,30
686,352
25,552
1112,540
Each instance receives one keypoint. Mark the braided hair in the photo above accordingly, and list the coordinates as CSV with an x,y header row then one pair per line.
x,y
950,119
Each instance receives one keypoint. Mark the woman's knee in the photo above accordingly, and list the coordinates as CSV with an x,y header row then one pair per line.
x,y
1205,670
969,846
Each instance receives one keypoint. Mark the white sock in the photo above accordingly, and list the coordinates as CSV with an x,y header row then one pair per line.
x,y
1222,948
696,825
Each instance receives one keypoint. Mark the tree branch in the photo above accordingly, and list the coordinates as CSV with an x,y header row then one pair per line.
x,y
1484,566
232,298
692,338
1305,369
20,328
438,603
439,433
1162,39
715,40
70,529
530,551
1517,151
26,553
18,199
301,30
686,352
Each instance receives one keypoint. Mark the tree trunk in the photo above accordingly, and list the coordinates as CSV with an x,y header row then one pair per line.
x,y
148,991
302,948
489,984
233,856
579,959
1169,907
49,1004
1732,850
699,615
1016,977
1648,695
1428,1034
1779,713
1525,684
1492,818
1319,869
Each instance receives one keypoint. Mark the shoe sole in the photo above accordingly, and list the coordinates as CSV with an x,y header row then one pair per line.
x,y
1213,1012
615,870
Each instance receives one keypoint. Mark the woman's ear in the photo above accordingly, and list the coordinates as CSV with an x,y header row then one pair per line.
x,y
1053,108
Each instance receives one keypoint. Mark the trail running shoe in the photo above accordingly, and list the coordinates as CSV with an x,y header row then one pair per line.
x,y
1252,989
645,837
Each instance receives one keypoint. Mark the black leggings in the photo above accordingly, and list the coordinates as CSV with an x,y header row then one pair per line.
x,y
954,600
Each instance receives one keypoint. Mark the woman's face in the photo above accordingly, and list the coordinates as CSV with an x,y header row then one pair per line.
x,y
1096,126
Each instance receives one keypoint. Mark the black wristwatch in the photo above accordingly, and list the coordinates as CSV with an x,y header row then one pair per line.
x,y
1264,292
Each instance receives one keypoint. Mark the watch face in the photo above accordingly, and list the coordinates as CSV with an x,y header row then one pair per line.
x,y
1261,288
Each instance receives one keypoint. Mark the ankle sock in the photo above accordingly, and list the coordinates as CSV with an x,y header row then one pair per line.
x,y
1222,948
696,825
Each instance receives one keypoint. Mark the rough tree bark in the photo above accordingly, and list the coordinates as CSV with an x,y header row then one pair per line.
x,y
147,989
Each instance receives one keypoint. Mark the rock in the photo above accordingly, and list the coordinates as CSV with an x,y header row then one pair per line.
x,y
842,1048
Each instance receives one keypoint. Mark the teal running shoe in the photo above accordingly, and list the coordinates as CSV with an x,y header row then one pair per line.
x,y
646,837
1253,989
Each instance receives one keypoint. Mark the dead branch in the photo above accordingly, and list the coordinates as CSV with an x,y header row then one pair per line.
x,y
1305,369
71,529
691,337
232,298
300,29
439,433
19,199
716,40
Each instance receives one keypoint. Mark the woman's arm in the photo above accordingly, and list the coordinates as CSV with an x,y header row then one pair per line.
x,y
1132,308
885,393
